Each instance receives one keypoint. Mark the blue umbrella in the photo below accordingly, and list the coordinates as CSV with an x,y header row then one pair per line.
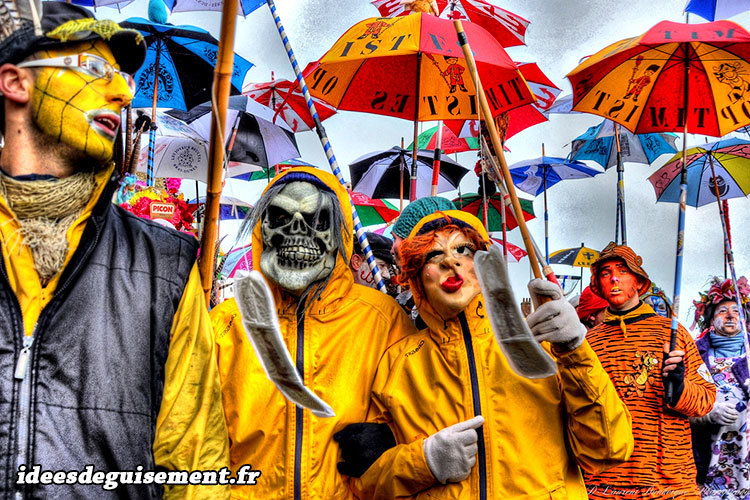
x,y
599,144
535,176
247,6
712,10
184,58
178,70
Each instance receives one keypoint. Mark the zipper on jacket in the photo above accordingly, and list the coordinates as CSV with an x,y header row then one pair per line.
x,y
298,427
481,456
23,375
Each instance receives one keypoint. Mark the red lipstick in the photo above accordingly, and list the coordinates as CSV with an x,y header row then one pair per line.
x,y
452,284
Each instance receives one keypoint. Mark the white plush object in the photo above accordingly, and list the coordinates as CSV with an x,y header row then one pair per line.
x,y
523,352
258,313
452,452
555,321
723,413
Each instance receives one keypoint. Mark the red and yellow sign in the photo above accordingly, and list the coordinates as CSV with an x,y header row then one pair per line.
x,y
162,210
412,67
641,82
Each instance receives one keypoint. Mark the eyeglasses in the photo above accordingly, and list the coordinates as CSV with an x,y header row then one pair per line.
x,y
90,64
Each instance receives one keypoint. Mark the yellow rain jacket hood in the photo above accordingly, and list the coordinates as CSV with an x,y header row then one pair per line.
x,y
337,342
536,432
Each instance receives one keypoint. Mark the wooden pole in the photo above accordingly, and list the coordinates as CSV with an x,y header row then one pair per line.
x,y
490,123
220,100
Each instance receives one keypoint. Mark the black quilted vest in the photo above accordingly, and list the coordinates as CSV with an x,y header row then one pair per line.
x,y
97,362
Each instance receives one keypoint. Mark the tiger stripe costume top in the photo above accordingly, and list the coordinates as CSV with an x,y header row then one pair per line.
x,y
630,347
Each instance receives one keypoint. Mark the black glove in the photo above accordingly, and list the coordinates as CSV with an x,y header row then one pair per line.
x,y
677,378
361,445
143,122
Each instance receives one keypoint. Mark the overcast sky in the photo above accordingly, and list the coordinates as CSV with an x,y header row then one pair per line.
x,y
560,34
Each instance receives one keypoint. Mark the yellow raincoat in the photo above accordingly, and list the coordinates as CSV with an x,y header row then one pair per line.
x,y
190,433
536,432
341,338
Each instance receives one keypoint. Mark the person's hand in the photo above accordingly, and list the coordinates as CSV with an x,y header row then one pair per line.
x,y
723,413
452,452
361,445
673,370
555,321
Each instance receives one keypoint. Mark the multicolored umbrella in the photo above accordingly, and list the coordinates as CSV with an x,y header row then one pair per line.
x,y
711,10
642,84
577,257
731,162
288,103
474,204
379,174
372,212
507,27
450,143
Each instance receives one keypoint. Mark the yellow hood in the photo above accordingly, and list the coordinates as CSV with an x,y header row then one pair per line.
x,y
341,277
428,313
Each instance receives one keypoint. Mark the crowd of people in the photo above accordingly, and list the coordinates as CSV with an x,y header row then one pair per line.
x,y
111,364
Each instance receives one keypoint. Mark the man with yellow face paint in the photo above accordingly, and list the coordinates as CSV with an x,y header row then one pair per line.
x,y
107,365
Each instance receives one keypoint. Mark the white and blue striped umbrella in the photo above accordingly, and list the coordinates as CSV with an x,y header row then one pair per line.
x,y
529,175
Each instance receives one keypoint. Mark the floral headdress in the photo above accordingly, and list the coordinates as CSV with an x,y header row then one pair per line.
x,y
718,292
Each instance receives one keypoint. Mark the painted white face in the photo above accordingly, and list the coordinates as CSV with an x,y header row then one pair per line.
x,y
298,241
448,276
726,320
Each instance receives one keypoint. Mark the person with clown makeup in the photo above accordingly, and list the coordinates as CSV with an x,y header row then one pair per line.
x,y
720,439
106,349
633,346
466,426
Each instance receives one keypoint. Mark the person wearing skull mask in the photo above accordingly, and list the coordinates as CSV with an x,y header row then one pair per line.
x,y
336,331
467,426
106,350
632,344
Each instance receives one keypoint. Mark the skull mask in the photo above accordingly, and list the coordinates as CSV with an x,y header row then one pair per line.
x,y
299,245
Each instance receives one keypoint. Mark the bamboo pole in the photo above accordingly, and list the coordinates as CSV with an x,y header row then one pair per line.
x,y
490,123
220,100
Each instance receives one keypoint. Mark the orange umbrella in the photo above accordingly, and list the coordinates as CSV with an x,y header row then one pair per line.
x,y
412,67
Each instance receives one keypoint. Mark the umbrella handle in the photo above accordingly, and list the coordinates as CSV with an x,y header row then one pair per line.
x,y
489,122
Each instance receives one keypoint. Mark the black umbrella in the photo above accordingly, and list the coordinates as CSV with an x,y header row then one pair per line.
x,y
252,138
379,174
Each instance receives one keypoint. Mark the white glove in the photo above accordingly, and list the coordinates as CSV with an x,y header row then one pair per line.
x,y
452,452
555,321
723,413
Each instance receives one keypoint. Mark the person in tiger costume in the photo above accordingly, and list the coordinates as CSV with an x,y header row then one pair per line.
x,y
633,346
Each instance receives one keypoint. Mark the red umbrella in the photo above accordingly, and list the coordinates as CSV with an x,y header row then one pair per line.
x,y
522,117
285,98
514,251
507,27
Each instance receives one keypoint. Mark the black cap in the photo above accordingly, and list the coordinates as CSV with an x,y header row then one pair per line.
x,y
379,244
65,24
